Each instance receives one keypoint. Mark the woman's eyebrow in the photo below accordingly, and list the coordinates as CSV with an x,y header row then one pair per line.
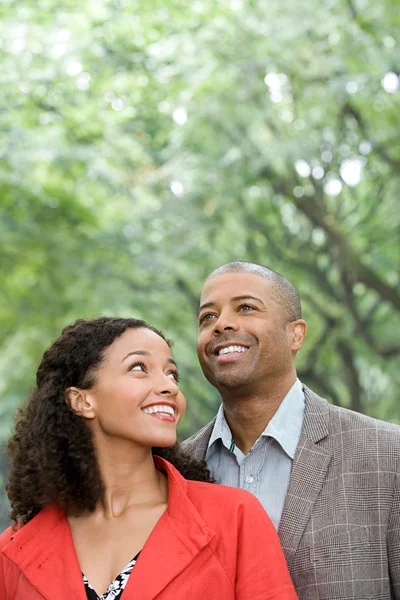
x,y
139,352
145,353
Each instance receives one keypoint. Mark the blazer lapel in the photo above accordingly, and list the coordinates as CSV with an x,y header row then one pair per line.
x,y
197,445
308,473
177,539
44,552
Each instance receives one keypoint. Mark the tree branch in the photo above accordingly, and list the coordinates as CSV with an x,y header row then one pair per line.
x,y
346,257
350,374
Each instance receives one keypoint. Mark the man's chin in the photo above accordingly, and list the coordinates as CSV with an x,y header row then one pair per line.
x,y
230,382
227,379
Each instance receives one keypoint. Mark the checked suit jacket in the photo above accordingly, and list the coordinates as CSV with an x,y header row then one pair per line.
x,y
340,526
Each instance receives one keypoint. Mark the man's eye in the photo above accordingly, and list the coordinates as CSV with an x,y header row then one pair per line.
x,y
206,317
246,307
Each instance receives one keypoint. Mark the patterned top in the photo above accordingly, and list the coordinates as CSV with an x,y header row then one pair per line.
x,y
114,592
265,471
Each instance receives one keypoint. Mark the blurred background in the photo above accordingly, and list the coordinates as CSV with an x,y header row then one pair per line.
x,y
144,143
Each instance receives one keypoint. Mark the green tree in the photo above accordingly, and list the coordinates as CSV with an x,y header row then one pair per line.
x,y
145,143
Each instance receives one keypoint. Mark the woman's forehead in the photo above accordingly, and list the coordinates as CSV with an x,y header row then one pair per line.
x,y
136,340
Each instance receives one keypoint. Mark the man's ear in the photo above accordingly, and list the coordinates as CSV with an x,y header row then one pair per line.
x,y
80,402
298,333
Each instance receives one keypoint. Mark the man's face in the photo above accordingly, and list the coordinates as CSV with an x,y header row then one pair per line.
x,y
244,339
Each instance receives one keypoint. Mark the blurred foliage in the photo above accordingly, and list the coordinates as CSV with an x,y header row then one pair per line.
x,y
144,143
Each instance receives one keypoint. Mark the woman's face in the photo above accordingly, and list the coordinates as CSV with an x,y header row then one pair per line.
x,y
136,395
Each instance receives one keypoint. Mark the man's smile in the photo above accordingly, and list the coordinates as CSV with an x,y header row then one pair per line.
x,y
230,353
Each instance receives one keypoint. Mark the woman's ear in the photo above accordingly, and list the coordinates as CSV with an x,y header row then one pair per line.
x,y
80,402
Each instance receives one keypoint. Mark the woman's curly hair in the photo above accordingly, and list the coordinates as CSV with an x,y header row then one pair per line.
x,y
53,458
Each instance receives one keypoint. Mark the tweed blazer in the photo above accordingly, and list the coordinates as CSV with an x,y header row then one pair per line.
x,y
340,526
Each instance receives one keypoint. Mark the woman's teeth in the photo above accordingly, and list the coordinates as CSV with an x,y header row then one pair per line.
x,y
159,408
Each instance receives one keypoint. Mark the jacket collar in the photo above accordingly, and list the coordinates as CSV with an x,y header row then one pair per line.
x,y
178,537
316,417
198,443
43,549
309,470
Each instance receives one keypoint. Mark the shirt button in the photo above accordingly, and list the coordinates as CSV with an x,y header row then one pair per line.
x,y
249,479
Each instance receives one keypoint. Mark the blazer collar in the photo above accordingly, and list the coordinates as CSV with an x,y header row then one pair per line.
x,y
43,549
309,470
316,417
197,445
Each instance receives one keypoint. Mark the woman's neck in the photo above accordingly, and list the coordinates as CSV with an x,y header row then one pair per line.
x,y
129,477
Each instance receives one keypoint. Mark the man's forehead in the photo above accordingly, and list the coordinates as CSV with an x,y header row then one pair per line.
x,y
234,284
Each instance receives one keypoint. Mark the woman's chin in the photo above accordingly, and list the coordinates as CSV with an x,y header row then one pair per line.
x,y
164,441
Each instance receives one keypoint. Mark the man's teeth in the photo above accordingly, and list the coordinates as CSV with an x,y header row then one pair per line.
x,y
231,349
159,408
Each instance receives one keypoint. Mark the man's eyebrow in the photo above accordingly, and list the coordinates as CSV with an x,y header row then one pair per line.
x,y
145,353
234,299
206,305
248,297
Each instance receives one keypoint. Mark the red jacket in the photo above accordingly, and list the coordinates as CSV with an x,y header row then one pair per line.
x,y
212,543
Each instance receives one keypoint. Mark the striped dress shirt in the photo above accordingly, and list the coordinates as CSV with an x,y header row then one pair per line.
x,y
265,471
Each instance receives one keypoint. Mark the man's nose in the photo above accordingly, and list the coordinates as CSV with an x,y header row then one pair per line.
x,y
225,322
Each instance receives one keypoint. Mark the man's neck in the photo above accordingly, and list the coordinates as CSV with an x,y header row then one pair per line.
x,y
248,416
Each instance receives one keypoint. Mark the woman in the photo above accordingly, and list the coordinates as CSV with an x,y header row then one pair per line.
x,y
105,503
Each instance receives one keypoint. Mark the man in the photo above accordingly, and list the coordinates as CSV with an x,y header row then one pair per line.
x,y
328,477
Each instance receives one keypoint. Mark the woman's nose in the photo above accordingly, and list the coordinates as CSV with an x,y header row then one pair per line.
x,y
167,386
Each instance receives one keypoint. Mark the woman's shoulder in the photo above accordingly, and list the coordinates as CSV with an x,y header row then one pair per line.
x,y
230,511
44,523
7,536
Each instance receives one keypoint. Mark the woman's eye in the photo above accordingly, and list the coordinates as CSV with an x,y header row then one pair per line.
x,y
174,375
138,367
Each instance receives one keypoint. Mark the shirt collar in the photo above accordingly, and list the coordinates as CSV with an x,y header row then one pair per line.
x,y
285,426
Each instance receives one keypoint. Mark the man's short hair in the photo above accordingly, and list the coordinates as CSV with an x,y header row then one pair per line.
x,y
283,291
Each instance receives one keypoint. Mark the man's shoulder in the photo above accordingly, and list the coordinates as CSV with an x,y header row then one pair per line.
x,y
197,444
341,420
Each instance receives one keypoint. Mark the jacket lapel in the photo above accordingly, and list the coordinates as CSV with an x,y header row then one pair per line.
x,y
177,539
43,550
197,445
308,473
